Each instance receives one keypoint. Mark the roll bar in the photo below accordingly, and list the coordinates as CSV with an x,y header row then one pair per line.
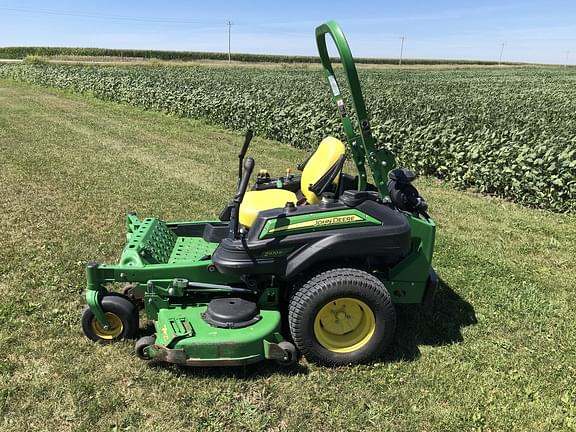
x,y
362,145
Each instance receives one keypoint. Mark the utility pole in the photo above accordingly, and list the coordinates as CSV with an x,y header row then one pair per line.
x,y
501,52
567,57
401,49
229,24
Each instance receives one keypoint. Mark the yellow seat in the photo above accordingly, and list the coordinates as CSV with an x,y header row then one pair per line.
x,y
325,156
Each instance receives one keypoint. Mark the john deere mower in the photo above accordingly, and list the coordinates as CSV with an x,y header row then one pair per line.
x,y
308,264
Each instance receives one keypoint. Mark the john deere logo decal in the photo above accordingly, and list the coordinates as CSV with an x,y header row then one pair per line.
x,y
335,220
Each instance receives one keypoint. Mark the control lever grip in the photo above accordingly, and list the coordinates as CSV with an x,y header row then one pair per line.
x,y
242,186
248,168
249,164
243,150
247,138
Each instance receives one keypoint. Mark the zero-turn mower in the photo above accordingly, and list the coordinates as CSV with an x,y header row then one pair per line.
x,y
309,263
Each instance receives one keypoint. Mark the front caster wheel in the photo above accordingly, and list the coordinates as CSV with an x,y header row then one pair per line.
x,y
342,316
142,344
290,352
122,316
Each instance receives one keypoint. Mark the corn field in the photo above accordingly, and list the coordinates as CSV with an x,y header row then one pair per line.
x,y
509,132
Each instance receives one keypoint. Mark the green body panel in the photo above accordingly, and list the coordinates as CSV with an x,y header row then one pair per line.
x,y
407,281
321,221
361,143
182,328
424,230
200,270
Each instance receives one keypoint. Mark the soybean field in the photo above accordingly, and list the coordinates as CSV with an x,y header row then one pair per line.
x,y
508,132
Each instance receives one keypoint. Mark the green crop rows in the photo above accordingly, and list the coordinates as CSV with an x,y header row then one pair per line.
x,y
510,132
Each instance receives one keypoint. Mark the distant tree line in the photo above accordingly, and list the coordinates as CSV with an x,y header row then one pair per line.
x,y
22,52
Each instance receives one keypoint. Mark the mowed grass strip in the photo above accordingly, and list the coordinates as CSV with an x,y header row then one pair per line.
x,y
497,352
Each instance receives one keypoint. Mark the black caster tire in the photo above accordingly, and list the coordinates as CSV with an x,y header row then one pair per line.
x,y
142,344
291,354
341,317
122,315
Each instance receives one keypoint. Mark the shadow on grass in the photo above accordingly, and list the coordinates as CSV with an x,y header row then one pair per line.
x,y
249,372
439,325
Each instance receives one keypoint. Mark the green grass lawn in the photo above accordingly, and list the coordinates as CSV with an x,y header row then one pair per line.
x,y
498,352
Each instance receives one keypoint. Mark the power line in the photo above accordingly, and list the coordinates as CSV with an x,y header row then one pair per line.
x,y
104,16
501,52
229,24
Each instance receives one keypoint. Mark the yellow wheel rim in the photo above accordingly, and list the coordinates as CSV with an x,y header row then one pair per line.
x,y
116,327
344,325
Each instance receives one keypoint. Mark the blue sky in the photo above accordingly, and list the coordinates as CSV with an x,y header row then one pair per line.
x,y
534,31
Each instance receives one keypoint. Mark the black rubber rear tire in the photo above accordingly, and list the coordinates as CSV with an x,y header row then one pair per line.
x,y
331,285
120,306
